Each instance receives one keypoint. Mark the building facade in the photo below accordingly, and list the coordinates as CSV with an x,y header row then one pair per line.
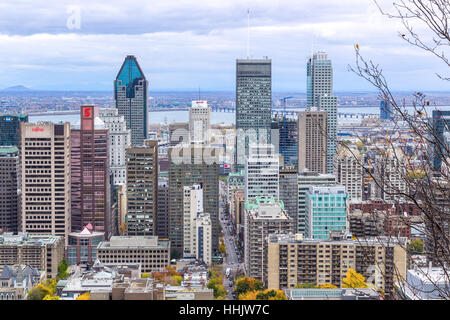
x,y
82,246
131,99
120,140
253,105
199,122
142,189
9,178
10,129
90,176
46,175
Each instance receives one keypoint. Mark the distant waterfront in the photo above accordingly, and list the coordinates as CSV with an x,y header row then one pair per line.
x,y
216,117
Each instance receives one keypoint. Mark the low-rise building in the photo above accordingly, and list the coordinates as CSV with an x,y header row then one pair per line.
x,y
152,253
82,246
430,283
16,281
43,252
332,294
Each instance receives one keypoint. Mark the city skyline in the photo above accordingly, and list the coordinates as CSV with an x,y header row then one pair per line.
x,y
44,53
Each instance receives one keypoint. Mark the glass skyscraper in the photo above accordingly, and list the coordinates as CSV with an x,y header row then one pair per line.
x,y
385,110
253,104
10,129
320,98
440,125
131,95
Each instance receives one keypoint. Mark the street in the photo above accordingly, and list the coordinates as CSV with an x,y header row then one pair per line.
x,y
231,261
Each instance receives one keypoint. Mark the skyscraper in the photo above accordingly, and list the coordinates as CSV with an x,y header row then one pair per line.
x,y
320,97
90,179
9,173
10,129
261,172
312,141
253,104
289,192
440,124
194,168
350,173
131,99
142,194
120,140
199,121
386,110
46,175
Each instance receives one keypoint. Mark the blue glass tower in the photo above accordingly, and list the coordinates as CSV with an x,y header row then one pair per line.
x,y
10,129
385,110
131,95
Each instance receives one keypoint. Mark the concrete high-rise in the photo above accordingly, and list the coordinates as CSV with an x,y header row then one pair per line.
x,y
162,219
131,99
199,121
289,192
253,105
262,172
350,173
9,175
90,178
142,189
320,97
312,141
191,164
263,217
46,175
120,140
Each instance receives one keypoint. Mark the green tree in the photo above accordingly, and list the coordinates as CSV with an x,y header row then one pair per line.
x,y
416,246
63,268
305,285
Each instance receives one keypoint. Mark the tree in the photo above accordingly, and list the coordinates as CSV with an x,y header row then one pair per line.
x,y
245,284
177,279
42,290
84,296
354,280
416,246
49,297
216,283
326,286
63,268
305,285
425,172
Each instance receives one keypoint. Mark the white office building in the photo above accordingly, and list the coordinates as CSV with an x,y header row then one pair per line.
x,y
199,121
120,140
262,172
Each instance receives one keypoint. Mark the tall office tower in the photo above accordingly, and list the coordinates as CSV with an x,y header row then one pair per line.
x,y
326,207
142,189
289,192
261,172
320,97
199,121
9,175
46,174
162,219
386,112
192,207
253,105
391,175
275,135
382,261
263,217
178,133
202,238
312,141
120,140
288,141
305,181
350,172
90,179
131,99
440,123
10,129
188,165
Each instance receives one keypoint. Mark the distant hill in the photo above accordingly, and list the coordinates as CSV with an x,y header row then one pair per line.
x,y
17,88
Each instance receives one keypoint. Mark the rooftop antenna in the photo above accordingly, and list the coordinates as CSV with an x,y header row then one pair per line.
x,y
248,33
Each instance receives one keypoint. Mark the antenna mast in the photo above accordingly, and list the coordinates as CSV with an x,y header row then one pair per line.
x,y
248,33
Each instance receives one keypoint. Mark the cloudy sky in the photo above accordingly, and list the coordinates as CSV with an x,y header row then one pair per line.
x,y
184,44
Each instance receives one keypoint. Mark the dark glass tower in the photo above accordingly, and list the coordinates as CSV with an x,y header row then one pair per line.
x,y
253,104
10,129
441,124
385,110
131,95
